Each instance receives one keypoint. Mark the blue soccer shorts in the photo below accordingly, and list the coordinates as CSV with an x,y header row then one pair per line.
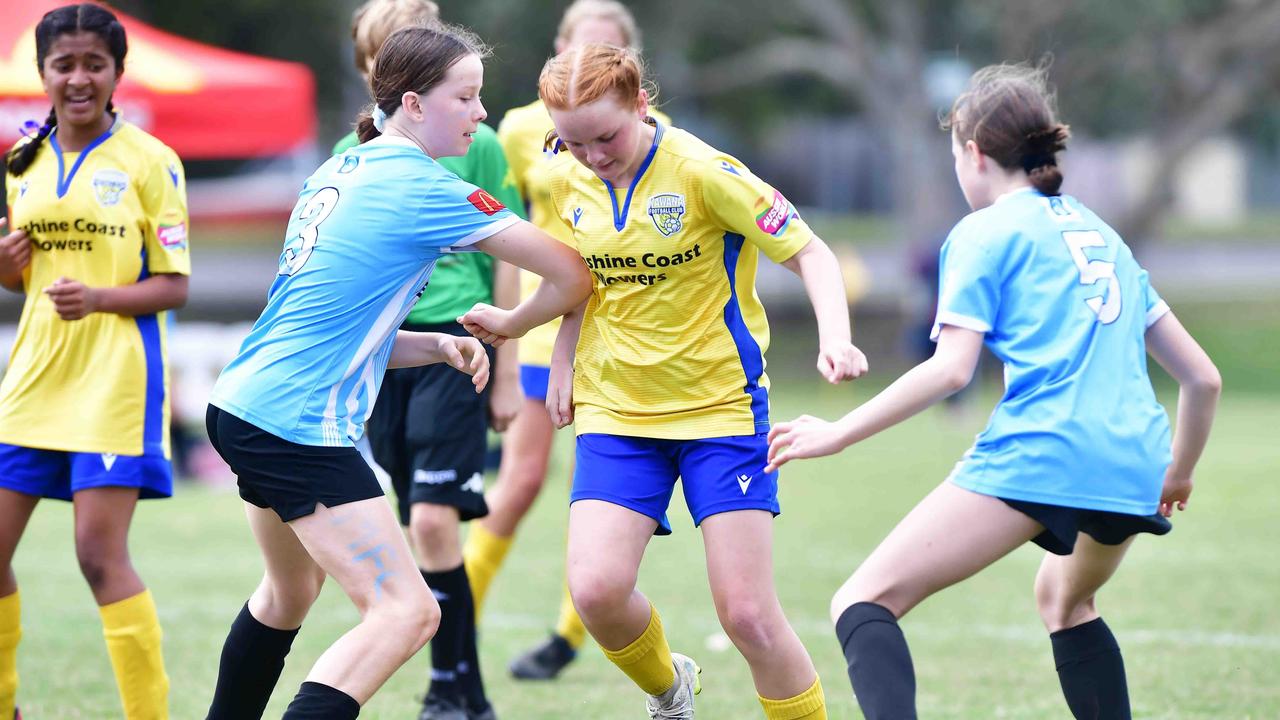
x,y
534,380
58,474
718,474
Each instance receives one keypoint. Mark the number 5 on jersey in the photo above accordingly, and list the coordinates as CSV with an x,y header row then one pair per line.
x,y
1107,305
313,212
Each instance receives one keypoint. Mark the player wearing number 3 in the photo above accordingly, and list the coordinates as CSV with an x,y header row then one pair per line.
x,y
1076,457
368,228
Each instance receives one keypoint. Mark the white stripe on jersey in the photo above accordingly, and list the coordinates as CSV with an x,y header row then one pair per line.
x,y
488,231
387,323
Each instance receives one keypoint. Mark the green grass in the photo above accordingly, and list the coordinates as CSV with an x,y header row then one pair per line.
x,y
1194,611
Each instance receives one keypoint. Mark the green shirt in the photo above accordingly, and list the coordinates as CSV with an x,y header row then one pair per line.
x,y
461,280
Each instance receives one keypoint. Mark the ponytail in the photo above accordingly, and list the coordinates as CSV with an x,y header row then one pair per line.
x,y
23,154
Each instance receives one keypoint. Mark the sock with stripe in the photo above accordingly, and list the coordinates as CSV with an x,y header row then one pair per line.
x,y
448,646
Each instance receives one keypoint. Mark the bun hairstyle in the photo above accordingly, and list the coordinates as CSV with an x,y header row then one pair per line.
x,y
1008,112
414,59
609,10
582,75
70,19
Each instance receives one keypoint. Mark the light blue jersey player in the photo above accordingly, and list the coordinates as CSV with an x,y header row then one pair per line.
x,y
1065,306
285,414
310,369
1077,457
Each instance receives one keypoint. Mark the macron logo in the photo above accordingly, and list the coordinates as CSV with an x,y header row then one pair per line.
x,y
744,481
577,215
108,459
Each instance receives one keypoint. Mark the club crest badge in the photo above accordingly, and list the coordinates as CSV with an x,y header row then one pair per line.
x,y
109,185
667,211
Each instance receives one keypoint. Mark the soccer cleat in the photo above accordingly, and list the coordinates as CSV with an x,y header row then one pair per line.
x,y
442,708
545,661
677,703
487,714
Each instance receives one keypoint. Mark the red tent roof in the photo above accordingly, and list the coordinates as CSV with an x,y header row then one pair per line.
x,y
203,101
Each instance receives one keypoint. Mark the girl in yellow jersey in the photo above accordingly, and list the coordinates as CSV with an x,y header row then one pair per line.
x,y
668,380
527,443
98,241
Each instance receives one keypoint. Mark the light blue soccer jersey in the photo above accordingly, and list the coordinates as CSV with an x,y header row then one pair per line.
x,y
368,227
1065,306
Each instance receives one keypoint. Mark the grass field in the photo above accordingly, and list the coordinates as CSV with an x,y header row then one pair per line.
x,y
1195,612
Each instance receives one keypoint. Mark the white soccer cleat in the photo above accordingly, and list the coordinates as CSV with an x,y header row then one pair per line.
x,y
677,703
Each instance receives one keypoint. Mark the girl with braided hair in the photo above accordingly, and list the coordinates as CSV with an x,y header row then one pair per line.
x,y
98,244
1077,457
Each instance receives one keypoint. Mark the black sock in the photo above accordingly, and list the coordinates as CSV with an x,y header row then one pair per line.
x,y
880,668
448,647
1091,672
469,670
316,701
252,659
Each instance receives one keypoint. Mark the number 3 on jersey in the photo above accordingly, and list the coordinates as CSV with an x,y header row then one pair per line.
x,y
1107,305
312,213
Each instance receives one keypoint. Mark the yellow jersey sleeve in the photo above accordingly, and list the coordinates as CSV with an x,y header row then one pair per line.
x,y
746,205
163,196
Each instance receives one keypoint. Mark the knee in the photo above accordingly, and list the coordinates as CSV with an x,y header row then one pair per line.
x,y
1059,607
750,624
97,562
434,526
283,603
866,588
409,621
598,595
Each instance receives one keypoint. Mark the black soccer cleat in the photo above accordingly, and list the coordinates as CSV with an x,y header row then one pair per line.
x,y
545,661
442,708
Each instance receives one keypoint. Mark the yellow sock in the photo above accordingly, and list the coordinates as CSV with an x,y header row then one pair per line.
x,y
808,705
647,660
570,626
10,634
482,554
132,631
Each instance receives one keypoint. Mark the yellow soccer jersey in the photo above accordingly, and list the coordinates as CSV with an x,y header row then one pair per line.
x,y
674,338
108,216
523,133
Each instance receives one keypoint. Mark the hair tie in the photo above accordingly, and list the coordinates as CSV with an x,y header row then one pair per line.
x,y
1031,161
30,128
379,118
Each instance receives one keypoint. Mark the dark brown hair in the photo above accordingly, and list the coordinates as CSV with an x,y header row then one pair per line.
x,y
414,59
85,17
1008,111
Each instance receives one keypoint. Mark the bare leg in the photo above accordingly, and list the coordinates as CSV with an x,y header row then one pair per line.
x,y
526,447
739,549
606,544
102,518
15,512
361,545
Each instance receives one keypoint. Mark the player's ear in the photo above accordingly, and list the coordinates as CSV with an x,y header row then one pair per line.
x,y
974,154
411,103
642,103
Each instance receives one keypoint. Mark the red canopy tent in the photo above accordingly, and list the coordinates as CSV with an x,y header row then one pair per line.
x,y
203,101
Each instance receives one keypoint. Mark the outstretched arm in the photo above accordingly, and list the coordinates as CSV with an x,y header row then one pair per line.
x,y
949,370
817,266
412,349
1199,386
565,283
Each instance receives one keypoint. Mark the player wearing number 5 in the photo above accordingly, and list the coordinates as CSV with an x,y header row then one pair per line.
x,y
368,228
1077,456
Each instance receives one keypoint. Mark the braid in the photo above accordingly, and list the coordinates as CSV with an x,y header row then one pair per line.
x,y
23,154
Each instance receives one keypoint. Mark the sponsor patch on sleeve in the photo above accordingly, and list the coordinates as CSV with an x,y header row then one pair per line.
x,y
776,216
173,237
485,202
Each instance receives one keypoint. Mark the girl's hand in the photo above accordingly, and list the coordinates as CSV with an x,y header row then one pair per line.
x,y
15,251
804,437
1177,488
72,299
841,362
560,396
492,325
468,355
505,400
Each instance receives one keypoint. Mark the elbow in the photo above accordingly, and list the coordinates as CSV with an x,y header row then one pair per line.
x,y
956,379
580,288
1208,381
